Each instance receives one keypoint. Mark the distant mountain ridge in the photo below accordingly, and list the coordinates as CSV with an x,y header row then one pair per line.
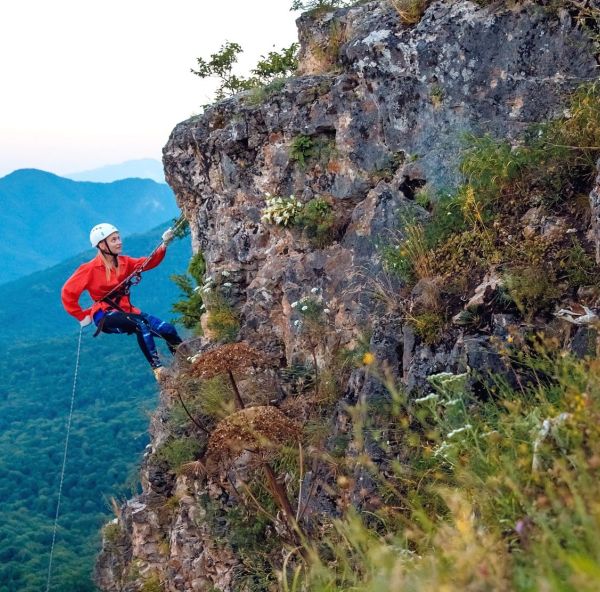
x,y
47,218
142,168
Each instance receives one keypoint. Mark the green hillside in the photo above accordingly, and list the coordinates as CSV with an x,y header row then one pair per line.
x,y
115,392
46,218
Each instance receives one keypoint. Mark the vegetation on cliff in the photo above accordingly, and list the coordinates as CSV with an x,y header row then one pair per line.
x,y
380,476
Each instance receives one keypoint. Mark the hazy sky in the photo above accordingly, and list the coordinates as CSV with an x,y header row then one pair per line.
x,y
84,84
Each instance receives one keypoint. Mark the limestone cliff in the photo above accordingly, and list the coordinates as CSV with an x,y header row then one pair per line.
x,y
383,109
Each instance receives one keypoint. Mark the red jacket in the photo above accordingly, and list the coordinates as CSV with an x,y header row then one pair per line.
x,y
91,276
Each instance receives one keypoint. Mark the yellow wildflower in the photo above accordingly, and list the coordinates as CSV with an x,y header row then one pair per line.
x,y
368,359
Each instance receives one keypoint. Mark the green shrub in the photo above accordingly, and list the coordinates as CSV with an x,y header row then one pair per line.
x,y
203,399
112,532
317,218
191,306
220,65
577,135
260,94
277,65
428,325
424,197
176,452
197,267
531,289
411,260
319,6
216,398
152,583
223,320
302,149
578,267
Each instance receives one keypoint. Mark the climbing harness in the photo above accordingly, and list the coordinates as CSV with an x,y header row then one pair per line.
x,y
64,462
123,288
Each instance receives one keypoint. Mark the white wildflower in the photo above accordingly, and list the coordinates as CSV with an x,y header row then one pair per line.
x,y
314,290
304,308
429,397
442,449
459,430
326,311
227,285
225,273
296,323
549,428
294,304
453,402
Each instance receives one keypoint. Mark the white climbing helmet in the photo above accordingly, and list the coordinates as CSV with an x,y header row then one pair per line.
x,y
100,232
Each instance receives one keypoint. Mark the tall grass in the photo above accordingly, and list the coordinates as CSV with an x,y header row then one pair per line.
x,y
492,495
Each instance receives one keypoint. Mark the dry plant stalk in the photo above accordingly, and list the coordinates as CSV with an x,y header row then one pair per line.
x,y
410,11
227,359
231,357
417,251
261,432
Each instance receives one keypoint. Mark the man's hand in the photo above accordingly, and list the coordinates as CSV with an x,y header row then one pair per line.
x,y
168,235
85,321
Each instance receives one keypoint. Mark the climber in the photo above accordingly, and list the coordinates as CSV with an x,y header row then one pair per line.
x,y
107,278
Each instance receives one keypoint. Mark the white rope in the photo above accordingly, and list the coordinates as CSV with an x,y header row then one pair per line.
x,y
64,463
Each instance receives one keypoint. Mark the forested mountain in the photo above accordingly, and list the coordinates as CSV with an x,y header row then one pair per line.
x,y
46,218
115,390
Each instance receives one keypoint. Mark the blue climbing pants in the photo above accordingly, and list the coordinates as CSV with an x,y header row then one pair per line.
x,y
145,327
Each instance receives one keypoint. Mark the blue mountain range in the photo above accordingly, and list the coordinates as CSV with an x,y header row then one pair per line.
x,y
47,218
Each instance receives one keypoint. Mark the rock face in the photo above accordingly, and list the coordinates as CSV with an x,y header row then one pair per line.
x,y
385,107
391,118
595,210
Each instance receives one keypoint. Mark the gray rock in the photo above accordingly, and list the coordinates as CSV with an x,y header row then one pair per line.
x,y
595,210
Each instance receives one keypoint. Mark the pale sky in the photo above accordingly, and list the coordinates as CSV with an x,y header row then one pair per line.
x,y
85,84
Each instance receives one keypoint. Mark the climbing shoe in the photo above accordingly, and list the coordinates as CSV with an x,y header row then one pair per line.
x,y
159,373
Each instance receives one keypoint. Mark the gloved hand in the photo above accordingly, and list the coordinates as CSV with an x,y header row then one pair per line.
x,y
168,235
85,321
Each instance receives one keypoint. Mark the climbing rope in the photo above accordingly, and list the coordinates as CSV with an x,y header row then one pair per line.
x,y
64,463
127,280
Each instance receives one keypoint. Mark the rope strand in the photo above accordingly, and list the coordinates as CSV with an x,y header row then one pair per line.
x,y
64,463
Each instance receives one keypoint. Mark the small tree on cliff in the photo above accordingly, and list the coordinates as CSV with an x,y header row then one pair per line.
x,y
319,5
220,65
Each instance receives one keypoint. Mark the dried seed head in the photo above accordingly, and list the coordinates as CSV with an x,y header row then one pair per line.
x,y
261,431
231,357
